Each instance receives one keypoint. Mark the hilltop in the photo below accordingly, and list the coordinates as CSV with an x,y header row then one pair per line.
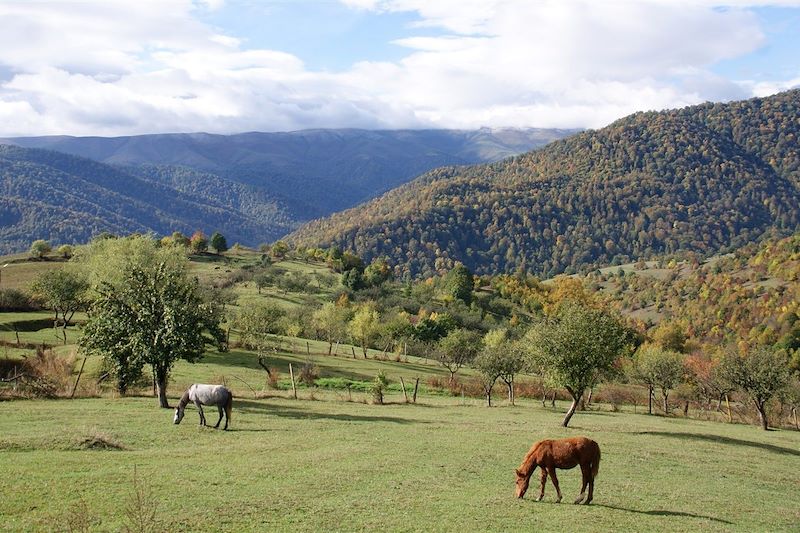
x,y
705,179
254,187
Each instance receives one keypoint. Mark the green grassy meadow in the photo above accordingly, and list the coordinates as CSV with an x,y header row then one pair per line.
x,y
328,464
332,461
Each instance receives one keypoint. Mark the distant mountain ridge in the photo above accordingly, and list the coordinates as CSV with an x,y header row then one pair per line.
x,y
276,181
68,199
704,178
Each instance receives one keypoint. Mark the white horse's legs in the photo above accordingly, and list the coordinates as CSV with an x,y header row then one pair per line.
x,y
220,418
202,415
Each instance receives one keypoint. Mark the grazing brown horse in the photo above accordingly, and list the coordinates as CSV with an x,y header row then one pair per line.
x,y
562,453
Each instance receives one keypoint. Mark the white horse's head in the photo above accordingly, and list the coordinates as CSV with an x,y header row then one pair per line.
x,y
178,415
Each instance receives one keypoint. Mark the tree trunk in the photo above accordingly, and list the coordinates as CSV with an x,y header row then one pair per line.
x,y
665,395
162,376
649,399
330,347
589,398
686,408
576,398
488,391
762,414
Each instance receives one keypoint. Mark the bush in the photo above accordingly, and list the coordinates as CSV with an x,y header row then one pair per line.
x,y
309,373
15,300
46,374
379,386
616,395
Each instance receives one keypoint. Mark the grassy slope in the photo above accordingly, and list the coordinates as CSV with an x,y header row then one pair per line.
x,y
331,465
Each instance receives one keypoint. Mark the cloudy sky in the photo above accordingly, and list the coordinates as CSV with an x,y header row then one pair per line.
x,y
129,67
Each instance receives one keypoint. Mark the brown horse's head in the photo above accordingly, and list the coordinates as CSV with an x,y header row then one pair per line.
x,y
522,481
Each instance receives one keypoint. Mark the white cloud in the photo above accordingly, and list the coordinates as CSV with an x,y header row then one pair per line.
x,y
119,67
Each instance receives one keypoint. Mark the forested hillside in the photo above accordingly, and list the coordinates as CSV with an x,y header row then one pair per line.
x,y
309,173
66,199
706,178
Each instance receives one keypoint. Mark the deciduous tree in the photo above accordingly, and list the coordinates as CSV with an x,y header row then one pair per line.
x,y
154,317
458,348
218,242
761,374
574,347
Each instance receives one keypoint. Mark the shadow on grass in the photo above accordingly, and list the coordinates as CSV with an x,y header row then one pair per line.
x,y
718,439
665,513
297,413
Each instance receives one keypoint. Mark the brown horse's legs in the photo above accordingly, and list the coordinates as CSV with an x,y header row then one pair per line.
x,y
591,489
586,474
552,471
543,481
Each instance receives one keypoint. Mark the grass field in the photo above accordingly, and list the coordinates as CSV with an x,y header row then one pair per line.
x,y
325,463
333,465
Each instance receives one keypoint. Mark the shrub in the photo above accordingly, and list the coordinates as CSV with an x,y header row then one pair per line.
x,y
379,386
46,374
309,373
15,300
273,378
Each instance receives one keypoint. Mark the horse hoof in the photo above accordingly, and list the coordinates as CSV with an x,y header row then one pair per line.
x,y
539,498
558,500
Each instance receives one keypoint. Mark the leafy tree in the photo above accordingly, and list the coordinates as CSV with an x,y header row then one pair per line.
x,y
761,374
154,317
39,249
572,348
199,242
490,362
331,320
107,261
434,327
65,251
263,278
377,272
671,337
179,239
365,326
458,348
353,279
506,355
458,283
258,324
218,242
657,367
279,249
64,291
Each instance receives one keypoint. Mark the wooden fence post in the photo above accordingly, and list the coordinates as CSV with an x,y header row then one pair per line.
x,y
416,387
403,384
291,375
75,387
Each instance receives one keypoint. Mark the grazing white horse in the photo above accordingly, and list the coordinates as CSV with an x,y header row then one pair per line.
x,y
206,395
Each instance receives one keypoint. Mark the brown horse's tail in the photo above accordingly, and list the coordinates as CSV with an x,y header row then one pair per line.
x,y
596,462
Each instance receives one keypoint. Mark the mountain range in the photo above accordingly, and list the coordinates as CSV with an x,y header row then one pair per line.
x,y
253,187
704,178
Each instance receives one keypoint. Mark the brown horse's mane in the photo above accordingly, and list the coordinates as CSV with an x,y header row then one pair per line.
x,y
527,463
